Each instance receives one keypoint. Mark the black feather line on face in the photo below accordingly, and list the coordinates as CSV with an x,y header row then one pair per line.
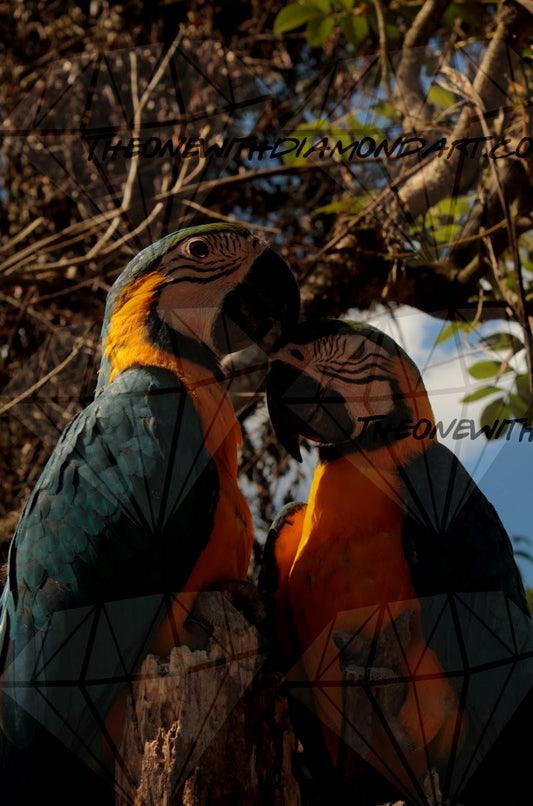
x,y
366,379
377,434
171,341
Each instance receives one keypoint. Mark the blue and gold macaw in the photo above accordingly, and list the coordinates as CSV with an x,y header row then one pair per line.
x,y
396,582
138,502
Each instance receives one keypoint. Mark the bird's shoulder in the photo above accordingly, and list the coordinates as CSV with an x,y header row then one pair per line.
x,y
452,534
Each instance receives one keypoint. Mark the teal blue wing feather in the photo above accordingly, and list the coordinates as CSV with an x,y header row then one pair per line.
x,y
453,537
476,619
122,511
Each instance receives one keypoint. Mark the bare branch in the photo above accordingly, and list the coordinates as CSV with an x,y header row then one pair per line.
x,y
442,178
408,88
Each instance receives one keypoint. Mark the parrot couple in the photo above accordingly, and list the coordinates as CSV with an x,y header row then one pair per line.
x,y
375,582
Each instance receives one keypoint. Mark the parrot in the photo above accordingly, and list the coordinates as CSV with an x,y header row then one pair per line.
x,y
138,503
398,607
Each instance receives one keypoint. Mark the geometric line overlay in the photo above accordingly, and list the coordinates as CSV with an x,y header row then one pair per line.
x,y
420,689
70,674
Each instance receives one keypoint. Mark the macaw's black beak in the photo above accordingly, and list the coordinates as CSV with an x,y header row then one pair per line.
x,y
299,405
265,305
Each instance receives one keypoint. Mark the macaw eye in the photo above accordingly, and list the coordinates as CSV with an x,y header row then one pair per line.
x,y
198,248
297,354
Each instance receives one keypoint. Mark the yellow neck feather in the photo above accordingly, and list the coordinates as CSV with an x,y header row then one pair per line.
x,y
127,344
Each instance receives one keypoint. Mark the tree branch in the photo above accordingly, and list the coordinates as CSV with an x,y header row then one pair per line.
x,y
414,107
453,176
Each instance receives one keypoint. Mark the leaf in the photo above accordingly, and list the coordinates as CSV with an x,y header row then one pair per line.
x,y
393,32
323,5
525,542
352,206
525,555
347,5
306,135
293,16
319,30
521,539
355,29
454,327
497,410
502,341
385,110
446,233
518,405
479,393
334,207
451,206
522,387
360,129
469,12
441,97
486,369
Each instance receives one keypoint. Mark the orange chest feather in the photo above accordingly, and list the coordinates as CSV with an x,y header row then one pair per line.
x,y
350,555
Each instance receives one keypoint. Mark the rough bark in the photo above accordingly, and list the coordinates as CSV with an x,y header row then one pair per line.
x,y
208,724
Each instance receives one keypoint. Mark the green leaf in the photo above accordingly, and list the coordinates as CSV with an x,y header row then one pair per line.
x,y
518,405
323,5
451,206
486,369
360,129
334,207
497,410
319,30
347,5
441,97
293,16
352,206
522,387
392,31
386,110
469,12
355,29
314,131
446,233
479,393
502,341
454,327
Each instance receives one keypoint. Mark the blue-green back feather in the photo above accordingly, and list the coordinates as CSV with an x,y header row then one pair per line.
x,y
123,509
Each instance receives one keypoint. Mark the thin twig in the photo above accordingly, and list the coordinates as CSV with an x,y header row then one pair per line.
x,y
138,107
232,220
22,234
78,345
383,48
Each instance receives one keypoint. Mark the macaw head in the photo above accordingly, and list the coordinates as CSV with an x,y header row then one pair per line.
x,y
200,293
346,386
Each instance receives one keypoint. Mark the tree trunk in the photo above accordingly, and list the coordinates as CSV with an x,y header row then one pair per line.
x,y
208,724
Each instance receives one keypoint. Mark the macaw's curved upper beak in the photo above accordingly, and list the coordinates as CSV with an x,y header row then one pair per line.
x,y
299,405
263,306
